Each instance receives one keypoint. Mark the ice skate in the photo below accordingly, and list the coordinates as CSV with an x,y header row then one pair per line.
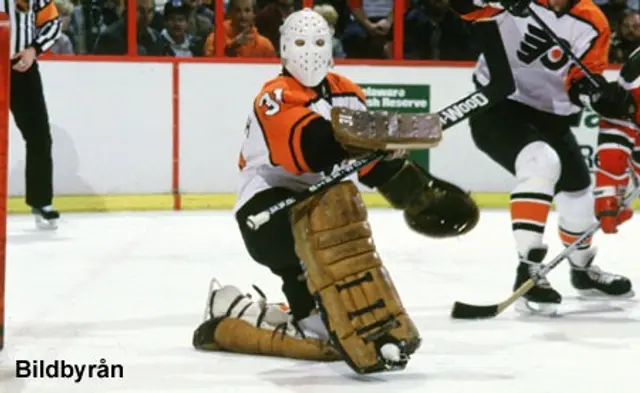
x,y
591,282
229,301
541,299
46,217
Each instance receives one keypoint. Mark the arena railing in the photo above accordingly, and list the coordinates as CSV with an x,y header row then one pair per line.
x,y
220,57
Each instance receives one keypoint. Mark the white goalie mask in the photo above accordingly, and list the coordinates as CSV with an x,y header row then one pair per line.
x,y
306,49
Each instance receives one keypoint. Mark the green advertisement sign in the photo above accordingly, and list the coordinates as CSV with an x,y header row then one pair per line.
x,y
400,98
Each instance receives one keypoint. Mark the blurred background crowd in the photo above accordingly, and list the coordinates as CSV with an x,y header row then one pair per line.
x,y
363,28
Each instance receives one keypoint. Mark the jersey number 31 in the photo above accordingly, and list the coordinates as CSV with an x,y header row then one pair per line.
x,y
271,101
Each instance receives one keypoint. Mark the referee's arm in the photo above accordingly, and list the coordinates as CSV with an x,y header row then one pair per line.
x,y
48,25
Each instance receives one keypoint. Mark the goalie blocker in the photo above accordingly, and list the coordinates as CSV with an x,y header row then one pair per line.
x,y
384,131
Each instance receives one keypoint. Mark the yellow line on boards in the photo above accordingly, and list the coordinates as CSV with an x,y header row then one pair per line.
x,y
112,203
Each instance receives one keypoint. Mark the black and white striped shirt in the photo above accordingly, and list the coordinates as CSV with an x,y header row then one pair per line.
x,y
34,23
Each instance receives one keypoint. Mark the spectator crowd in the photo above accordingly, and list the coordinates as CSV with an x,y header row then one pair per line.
x,y
363,28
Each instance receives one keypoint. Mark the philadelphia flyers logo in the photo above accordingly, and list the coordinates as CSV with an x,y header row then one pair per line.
x,y
538,45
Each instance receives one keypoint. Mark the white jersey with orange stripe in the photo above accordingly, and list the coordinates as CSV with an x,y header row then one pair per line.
x,y
271,154
543,73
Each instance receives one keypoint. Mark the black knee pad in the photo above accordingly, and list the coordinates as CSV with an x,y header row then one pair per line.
x,y
272,246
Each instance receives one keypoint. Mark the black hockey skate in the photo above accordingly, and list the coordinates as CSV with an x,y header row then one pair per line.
x,y
592,282
46,217
541,299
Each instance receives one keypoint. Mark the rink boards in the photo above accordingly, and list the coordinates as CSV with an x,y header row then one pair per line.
x,y
155,136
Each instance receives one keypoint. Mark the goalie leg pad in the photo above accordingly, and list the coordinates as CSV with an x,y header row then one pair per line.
x,y
240,336
358,301
432,206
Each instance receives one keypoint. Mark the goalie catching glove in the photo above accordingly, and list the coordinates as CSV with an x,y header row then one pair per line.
x,y
358,301
432,207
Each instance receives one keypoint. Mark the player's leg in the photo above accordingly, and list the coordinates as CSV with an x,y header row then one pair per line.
x,y
272,246
508,134
237,323
29,110
360,305
574,203
635,156
615,162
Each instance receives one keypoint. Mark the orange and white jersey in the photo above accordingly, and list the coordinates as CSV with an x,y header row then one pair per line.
x,y
542,72
271,155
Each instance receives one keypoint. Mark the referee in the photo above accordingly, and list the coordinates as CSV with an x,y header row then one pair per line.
x,y
35,26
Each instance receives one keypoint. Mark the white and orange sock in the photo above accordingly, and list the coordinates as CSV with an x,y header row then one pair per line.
x,y
537,170
576,215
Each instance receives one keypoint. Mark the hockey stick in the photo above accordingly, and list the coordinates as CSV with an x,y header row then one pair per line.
x,y
502,85
256,221
470,311
567,50
634,175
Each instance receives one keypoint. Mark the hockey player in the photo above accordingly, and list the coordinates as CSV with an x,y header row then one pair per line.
x,y
334,281
618,150
529,135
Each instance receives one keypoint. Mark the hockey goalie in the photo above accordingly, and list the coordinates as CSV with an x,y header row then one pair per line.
x,y
342,303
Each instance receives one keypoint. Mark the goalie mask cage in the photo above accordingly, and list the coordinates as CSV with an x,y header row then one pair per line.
x,y
5,44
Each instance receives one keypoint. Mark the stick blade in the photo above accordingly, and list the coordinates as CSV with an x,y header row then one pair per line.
x,y
470,311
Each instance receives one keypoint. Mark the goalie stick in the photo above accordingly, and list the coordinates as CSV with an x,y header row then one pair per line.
x,y
501,86
471,311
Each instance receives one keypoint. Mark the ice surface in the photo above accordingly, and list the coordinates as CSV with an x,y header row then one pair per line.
x,y
131,287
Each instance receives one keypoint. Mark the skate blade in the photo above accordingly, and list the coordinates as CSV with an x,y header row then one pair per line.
x,y
49,225
524,306
594,294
